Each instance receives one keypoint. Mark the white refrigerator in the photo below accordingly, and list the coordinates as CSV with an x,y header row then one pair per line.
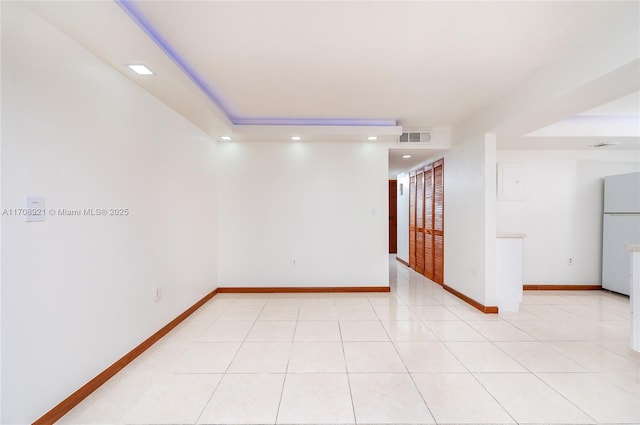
x,y
620,227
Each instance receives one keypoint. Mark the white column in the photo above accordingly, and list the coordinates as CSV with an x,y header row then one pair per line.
x,y
635,295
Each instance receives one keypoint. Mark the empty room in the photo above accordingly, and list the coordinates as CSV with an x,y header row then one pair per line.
x,y
320,212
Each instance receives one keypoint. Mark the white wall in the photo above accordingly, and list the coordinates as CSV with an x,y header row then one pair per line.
x,y
323,205
77,292
469,258
403,218
561,211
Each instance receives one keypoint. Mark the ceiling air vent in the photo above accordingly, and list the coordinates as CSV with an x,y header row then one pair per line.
x,y
415,137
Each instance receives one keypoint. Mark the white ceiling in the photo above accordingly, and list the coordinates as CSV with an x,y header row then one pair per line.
x,y
615,124
399,165
424,64
421,64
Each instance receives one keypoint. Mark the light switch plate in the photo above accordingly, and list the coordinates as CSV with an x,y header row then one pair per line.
x,y
34,206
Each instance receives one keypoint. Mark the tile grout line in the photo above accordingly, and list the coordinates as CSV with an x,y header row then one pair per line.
x,y
407,370
565,398
472,374
229,365
535,374
167,369
407,288
286,369
346,368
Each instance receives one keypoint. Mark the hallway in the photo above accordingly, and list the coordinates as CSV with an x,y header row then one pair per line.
x,y
416,355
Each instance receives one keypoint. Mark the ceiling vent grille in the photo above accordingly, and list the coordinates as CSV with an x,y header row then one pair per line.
x,y
415,137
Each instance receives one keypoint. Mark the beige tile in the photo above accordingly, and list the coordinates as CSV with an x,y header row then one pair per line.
x,y
242,300
454,331
206,357
593,312
428,357
483,357
358,330
292,299
408,331
594,357
244,399
316,399
227,331
459,398
316,357
422,300
177,398
387,398
317,330
621,311
261,357
529,400
552,313
545,330
532,297
387,300
279,312
394,313
630,382
434,312
580,331
272,331
518,315
351,300
539,357
500,330
603,401
318,311
372,357
241,312
356,312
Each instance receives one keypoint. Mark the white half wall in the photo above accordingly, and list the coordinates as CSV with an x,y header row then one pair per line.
x,y
469,232
78,291
561,211
403,217
303,214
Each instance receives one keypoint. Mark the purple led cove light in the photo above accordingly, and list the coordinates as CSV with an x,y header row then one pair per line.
x,y
315,121
136,15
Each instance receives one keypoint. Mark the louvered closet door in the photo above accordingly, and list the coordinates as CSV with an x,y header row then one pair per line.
x,y
419,222
412,220
428,222
438,222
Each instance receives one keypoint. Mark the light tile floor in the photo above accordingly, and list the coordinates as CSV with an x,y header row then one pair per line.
x,y
417,355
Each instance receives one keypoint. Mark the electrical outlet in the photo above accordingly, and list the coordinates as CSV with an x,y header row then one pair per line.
x,y
156,295
293,263
570,261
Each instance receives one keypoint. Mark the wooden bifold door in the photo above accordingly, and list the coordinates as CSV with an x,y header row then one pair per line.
x,y
426,221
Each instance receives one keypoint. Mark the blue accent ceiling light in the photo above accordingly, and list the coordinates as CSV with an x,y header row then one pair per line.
x,y
137,16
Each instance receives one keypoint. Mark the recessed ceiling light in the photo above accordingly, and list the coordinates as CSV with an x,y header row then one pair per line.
x,y
140,69
372,138
225,138
296,138
406,156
